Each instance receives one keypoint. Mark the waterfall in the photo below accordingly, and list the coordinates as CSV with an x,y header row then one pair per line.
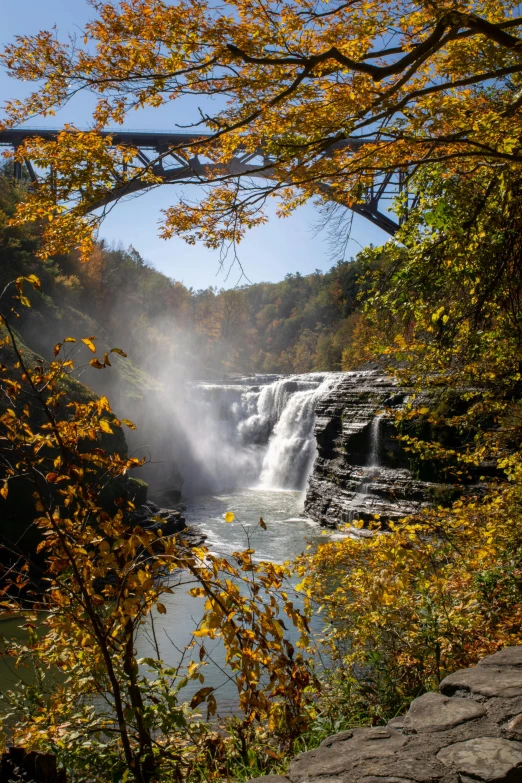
x,y
291,450
255,432
375,441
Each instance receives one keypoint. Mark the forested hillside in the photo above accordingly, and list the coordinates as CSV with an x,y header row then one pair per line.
x,y
410,114
301,324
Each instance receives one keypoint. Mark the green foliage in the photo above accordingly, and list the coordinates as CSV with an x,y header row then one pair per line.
x,y
441,589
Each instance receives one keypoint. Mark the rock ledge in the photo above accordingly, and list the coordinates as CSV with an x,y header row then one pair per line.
x,y
471,732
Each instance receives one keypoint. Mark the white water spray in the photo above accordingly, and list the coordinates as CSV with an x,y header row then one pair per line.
x,y
256,432
292,449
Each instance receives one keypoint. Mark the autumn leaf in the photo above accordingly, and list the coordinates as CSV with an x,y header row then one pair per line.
x,y
35,281
200,696
88,341
229,516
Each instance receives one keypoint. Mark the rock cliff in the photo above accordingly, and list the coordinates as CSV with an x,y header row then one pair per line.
x,y
470,732
361,469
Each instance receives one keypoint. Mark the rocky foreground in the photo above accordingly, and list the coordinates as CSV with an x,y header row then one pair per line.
x,y
471,731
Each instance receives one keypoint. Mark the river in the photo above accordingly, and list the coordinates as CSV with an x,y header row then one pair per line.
x,y
286,536
249,449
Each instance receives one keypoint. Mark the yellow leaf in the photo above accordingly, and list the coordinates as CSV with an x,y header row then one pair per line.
x,y
105,426
89,343
229,516
34,280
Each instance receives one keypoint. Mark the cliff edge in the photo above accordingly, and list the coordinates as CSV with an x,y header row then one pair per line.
x,y
470,732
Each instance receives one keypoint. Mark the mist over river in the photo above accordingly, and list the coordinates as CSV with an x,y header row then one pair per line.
x,y
251,448
254,432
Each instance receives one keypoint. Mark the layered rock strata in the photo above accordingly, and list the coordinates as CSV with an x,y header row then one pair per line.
x,y
361,469
470,732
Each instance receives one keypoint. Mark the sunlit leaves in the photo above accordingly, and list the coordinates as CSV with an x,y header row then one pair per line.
x,y
431,594
438,85
89,342
106,577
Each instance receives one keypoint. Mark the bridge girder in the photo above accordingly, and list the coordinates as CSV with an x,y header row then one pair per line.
x,y
165,146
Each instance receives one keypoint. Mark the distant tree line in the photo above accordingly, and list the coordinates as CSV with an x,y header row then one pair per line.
x,y
301,324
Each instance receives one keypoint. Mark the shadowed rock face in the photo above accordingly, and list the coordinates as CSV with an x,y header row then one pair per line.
x,y
473,736
361,469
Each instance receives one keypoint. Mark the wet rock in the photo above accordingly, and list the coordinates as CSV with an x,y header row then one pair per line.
x,y
169,496
152,517
434,712
169,520
361,469
485,758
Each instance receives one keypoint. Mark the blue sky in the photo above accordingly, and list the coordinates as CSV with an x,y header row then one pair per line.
x,y
267,253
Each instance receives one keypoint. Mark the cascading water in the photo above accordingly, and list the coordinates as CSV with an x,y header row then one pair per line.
x,y
258,431
291,448
375,441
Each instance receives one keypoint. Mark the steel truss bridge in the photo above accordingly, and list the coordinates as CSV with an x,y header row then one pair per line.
x,y
159,151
